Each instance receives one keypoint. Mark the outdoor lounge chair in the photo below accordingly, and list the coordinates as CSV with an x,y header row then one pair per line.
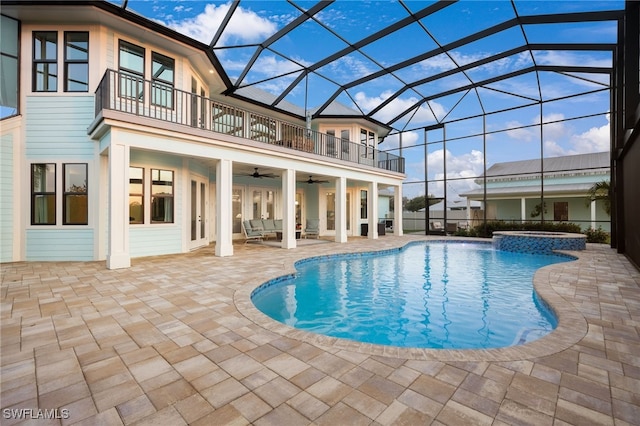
x,y
251,234
312,228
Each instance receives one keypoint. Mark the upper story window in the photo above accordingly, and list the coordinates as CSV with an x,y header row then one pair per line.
x,y
45,61
162,80
76,61
9,48
131,66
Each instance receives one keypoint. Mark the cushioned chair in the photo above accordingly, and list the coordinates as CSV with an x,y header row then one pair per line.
x,y
250,233
269,227
312,228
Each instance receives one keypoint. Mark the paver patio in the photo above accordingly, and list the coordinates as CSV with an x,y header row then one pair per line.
x,y
175,340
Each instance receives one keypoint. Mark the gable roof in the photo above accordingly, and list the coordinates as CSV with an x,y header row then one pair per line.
x,y
568,163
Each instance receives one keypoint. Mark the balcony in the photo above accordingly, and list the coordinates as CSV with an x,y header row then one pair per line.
x,y
132,95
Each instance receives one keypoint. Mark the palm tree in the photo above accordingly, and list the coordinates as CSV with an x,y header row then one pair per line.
x,y
600,191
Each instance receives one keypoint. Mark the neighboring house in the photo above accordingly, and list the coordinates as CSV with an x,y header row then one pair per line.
x,y
121,144
514,189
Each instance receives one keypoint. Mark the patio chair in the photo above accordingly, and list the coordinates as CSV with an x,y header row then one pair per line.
x,y
436,226
312,228
251,234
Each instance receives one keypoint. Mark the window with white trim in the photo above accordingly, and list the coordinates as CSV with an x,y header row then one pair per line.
x,y
45,61
45,190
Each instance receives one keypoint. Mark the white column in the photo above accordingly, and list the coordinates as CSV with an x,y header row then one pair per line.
x,y
289,209
224,208
397,209
593,214
523,209
372,210
469,211
118,255
341,210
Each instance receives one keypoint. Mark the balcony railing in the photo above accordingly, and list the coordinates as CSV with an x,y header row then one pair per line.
x,y
128,93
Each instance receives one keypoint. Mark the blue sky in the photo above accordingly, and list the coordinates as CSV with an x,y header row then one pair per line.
x,y
513,135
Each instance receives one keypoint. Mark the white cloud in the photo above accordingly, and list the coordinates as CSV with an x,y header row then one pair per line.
x,y
393,141
568,58
517,132
464,166
397,106
245,25
559,139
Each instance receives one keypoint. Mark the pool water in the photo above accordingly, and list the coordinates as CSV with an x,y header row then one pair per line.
x,y
426,295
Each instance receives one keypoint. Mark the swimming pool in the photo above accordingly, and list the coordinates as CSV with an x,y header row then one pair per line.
x,y
426,295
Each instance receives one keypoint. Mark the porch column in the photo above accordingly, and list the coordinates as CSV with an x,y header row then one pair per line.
x,y
289,209
397,211
523,209
372,211
118,255
341,210
593,214
224,208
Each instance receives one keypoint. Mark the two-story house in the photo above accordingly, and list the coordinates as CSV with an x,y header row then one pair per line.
x,y
118,141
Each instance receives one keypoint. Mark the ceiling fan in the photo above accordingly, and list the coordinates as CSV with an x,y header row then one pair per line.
x,y
259,175
311,180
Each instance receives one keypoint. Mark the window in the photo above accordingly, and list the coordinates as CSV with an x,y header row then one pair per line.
x,y
131,66
561,211
162,80
76,61
331,142
363,204
345,139
9,48
136,195
45,61
161,196
43,194
44,199
75,205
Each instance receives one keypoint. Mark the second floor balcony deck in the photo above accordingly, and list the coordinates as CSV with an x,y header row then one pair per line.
x,y
130,94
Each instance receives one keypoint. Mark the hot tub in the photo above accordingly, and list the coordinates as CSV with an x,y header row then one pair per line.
x,y
538,242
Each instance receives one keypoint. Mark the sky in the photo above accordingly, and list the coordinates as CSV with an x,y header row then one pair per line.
x,y
575,115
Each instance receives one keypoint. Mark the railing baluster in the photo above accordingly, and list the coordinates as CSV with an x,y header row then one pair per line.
x,y
128,93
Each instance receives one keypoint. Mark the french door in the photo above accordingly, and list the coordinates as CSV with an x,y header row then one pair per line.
x,y
262,203
198,217
328,206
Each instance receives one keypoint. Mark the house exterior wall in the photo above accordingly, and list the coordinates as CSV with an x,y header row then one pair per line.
x,y
9,166
62,128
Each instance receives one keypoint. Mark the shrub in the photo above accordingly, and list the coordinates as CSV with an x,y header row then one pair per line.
x,y
596,235
497,225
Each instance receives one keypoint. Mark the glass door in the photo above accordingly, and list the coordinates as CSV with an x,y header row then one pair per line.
x,y
330,212
262,203
198,202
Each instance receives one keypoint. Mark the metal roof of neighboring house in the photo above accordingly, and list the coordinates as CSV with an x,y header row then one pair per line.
x,y
569,163
572,188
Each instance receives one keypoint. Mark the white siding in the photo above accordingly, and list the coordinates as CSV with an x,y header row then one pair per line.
x,y
155,240
6,198
56,127
60,244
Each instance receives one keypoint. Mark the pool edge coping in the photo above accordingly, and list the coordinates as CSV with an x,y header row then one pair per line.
x,y
572,325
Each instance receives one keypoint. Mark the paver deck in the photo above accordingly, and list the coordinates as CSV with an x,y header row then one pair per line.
x,y
175,340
